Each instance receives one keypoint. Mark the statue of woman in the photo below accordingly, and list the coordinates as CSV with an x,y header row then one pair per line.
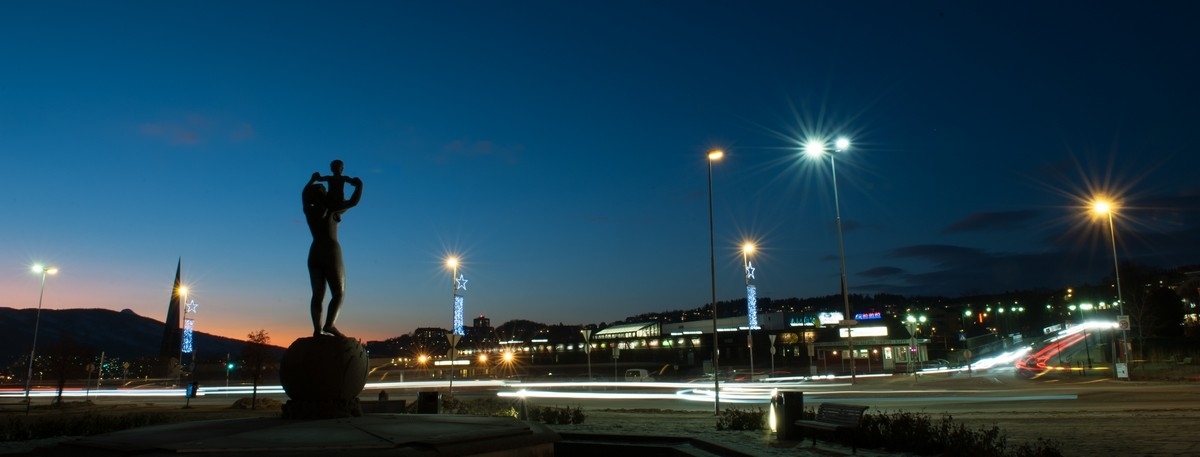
x,y
325,268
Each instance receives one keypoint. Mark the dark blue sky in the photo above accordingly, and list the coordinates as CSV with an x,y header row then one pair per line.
x,y
559,149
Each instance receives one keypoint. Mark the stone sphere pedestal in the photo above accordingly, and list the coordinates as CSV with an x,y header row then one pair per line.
x,y
322,376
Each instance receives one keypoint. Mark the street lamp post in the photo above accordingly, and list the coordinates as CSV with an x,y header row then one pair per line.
x,y
37,320
587,349
912,323
1083,318
751,303
1106,208
966,340
183,290
816,149
714,155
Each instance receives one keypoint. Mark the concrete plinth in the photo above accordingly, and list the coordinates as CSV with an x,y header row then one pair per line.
x,y
322,376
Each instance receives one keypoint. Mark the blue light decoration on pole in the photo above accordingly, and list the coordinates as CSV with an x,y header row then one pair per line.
x,y
188,325
187,335
460,283
751,303
458,312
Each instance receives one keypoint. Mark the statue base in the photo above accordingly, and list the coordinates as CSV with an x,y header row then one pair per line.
x,y
323,375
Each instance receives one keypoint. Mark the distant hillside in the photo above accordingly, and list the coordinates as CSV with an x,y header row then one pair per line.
x,y
121,334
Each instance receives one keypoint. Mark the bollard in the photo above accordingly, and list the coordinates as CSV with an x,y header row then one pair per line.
x,y
429,402
789,408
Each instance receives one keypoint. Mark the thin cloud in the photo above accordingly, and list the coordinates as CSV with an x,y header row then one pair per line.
x,y
939,253
479,149
195,129
171,133
993,221
881,272
243,132
968,271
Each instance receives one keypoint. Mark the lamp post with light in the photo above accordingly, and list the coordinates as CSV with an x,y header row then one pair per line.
x,y
1105,208
587,349
714,155
914,355
183,290
37,320
816,150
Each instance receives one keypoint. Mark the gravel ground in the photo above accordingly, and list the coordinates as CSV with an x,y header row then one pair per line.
x,y
1080,434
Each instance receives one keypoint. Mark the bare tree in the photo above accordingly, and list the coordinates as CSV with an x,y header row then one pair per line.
x,y
257,355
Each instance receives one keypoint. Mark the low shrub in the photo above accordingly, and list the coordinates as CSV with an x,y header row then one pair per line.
x,y
556,415
736,419
922,435
477,407
511,408
20,428
263,403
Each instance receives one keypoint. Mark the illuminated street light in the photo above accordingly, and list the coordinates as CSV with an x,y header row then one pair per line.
x,y
1105,208
816,150
751,302
37,320
714,155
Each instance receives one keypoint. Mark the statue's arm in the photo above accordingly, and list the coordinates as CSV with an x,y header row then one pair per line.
x,y
353,201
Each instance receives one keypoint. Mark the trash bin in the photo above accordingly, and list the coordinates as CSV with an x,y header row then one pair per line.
x,y
789,408
429,402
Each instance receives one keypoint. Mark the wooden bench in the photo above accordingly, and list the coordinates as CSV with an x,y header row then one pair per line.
x,y
836,417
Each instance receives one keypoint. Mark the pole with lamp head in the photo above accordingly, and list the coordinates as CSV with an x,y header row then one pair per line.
x,y
36,323
714,155
816,149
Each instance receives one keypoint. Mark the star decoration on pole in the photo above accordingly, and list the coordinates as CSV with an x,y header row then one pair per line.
x,y
749,270
192,307
461,282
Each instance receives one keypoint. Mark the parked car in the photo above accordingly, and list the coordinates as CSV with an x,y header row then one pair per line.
x,y
935,364
638,375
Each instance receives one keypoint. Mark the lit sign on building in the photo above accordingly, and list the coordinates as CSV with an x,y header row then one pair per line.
x,y
821,319
868,316
830,318
864,331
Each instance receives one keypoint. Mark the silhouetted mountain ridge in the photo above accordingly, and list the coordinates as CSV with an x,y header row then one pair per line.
x,y
122,334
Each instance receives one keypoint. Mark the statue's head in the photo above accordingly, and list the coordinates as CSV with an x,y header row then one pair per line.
x,y
314,194
336,167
